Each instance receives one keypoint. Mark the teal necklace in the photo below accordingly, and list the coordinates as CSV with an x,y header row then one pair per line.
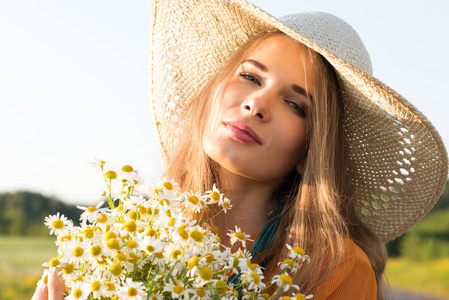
x,y
262,243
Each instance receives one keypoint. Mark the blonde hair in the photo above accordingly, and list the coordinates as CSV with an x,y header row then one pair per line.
x,y
318,209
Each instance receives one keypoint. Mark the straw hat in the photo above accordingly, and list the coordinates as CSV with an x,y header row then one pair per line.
x,y
398,161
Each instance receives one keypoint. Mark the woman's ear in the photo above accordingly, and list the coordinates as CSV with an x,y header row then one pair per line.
x,y
300,166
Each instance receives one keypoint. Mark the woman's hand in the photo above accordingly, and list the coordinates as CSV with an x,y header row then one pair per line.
x,y
54,290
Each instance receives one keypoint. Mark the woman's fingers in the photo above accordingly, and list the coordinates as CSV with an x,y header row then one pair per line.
x,y
55,286
41,293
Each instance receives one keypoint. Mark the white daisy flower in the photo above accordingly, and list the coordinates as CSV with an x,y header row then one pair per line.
x,y
176,290
57,224
97,284
288,265
193,201
284,281
200,294
132,290
225,203
151,245
76,252
297,252
238,236
44,279
79,291
214,195
91,213
254,281
300,296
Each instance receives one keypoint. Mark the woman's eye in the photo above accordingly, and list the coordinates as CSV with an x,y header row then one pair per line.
x,y
250,77
296,107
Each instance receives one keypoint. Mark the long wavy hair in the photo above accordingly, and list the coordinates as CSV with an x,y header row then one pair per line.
x,y
317,207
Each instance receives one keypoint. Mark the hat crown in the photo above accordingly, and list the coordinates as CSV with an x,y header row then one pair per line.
x,y
333,34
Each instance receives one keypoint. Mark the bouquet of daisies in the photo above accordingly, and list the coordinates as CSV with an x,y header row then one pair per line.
x,y
148,248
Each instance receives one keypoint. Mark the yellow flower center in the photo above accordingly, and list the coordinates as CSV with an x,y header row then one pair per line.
x,y
45,279
299,251
193,199
130,226
113,244
110,286
192,262
183,233
132,244
164,201
196,235
206,273
89,233
57,224
209,257
286,298
54,262
171,221
69,268
127,168
240,235
215,196
176,254
133,215
178,289
300,297
201,292
67,237
77,293
103,218
215,230
168,185
142,210
133,258
95,286
150,248
115,269
256,277
110,235
151,232
132,292
226,205
91,209
77,251
121,256
286,279
110,175
266,296
221,287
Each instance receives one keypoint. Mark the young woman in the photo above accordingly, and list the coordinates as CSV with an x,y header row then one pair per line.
x,y
286,118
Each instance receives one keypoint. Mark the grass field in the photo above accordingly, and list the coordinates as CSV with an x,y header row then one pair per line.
x,y
22,257
431,277
21,264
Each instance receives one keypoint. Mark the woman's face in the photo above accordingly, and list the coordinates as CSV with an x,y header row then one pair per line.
x,y
258,122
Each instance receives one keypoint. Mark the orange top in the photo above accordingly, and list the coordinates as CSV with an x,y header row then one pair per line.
x,y
354,277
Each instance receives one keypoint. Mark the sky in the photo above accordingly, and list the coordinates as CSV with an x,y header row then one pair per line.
x,y
74,82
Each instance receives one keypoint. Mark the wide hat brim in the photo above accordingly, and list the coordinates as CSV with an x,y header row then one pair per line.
x,y
398,162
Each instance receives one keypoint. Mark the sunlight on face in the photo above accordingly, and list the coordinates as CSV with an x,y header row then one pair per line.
x,y
258,124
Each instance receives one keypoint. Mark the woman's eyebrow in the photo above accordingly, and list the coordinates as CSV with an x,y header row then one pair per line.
x,y
256,64
302,91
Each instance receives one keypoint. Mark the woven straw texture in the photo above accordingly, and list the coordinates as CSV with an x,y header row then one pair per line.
x,y
398,163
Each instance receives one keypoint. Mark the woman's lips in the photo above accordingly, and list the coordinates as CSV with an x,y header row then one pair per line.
x,y
242,132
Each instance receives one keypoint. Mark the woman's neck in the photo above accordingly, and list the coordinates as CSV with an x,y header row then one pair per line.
x,y
250,202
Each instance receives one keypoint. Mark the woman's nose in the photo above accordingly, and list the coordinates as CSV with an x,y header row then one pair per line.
x,y
259,106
